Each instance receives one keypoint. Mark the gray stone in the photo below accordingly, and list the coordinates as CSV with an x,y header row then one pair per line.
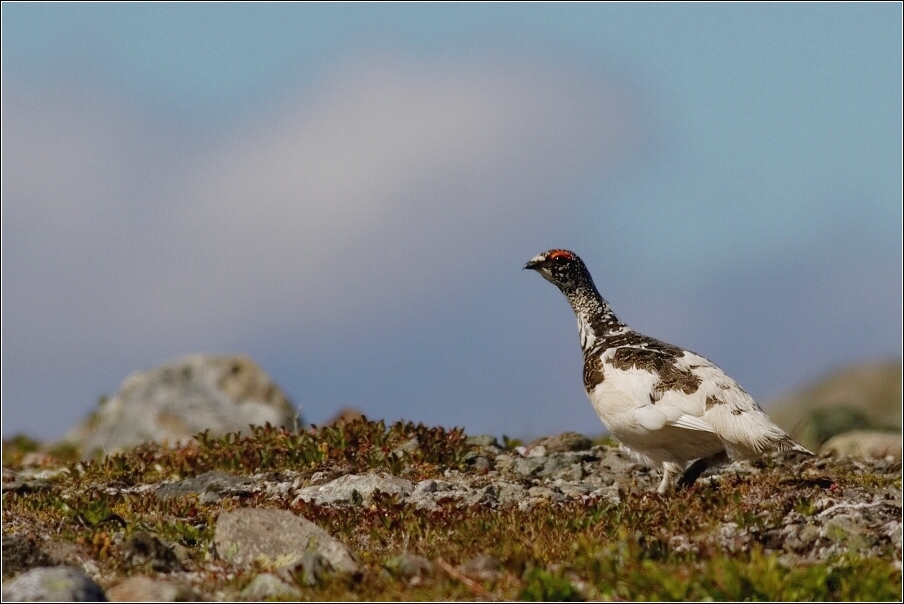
x,y
528,466
178,400
426,486
618,461
480,463
409,565
277,538
560,443
864,443
537,451
267,586
505,493
856,397
21,553
610,494
312,569
482,440
428,492
576,490
731,538
561,463
409,446
142,548
53,584
344,489
218,484
505,461
541,492
149,589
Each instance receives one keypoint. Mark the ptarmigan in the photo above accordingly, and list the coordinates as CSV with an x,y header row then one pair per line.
x,y
669,406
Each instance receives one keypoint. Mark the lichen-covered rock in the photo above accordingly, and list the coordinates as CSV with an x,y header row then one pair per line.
x,y
21,553
53,584
178,400
856,397
355,488
145,549
559,443
277,538
864,443
149,589
211,486
267,586
409,565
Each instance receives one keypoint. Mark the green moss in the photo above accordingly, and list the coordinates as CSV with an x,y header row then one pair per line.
x,y
544,586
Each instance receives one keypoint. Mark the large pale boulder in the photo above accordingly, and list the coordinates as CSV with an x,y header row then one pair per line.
x,y
856,397
864,443
178,400
278,539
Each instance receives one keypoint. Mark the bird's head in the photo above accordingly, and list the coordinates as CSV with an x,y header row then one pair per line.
x,y
562,268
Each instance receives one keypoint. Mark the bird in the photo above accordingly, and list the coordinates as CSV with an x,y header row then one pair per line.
x,y
672,408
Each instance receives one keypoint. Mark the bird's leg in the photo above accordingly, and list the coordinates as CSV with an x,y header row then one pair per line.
x,y
670,472
700,466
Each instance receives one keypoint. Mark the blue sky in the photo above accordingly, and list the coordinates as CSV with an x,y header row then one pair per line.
x,y
347,193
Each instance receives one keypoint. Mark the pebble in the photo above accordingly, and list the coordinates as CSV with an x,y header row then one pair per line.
x,y
53,584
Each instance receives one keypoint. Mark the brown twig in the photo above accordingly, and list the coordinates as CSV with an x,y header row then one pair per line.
x,y
465,580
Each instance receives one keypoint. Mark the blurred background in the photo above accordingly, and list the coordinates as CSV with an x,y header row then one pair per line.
x,y
347,193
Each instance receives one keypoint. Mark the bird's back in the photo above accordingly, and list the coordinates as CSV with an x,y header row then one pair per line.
x,y
656,395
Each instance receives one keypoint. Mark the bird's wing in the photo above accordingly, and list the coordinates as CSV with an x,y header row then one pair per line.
x,y
733,415
691,423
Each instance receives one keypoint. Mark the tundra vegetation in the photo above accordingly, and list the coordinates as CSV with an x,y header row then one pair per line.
x,y
757,531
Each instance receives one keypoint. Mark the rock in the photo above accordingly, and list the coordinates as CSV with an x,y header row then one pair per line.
x,y
858,397
428,492
528,466
178,400
426,486
504,461
503,493
212,486
53,584
410,446
355,488
312,569
482,440
480,463
610,494
864,443
267,586
541,492
536,451
560,443
21,553
616,461
729,537
277,538
149,589
409,565
142,548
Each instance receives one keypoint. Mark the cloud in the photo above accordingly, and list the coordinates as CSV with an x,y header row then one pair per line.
x,y
378,189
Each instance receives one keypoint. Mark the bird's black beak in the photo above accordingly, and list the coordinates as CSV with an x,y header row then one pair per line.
x,y
533,265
